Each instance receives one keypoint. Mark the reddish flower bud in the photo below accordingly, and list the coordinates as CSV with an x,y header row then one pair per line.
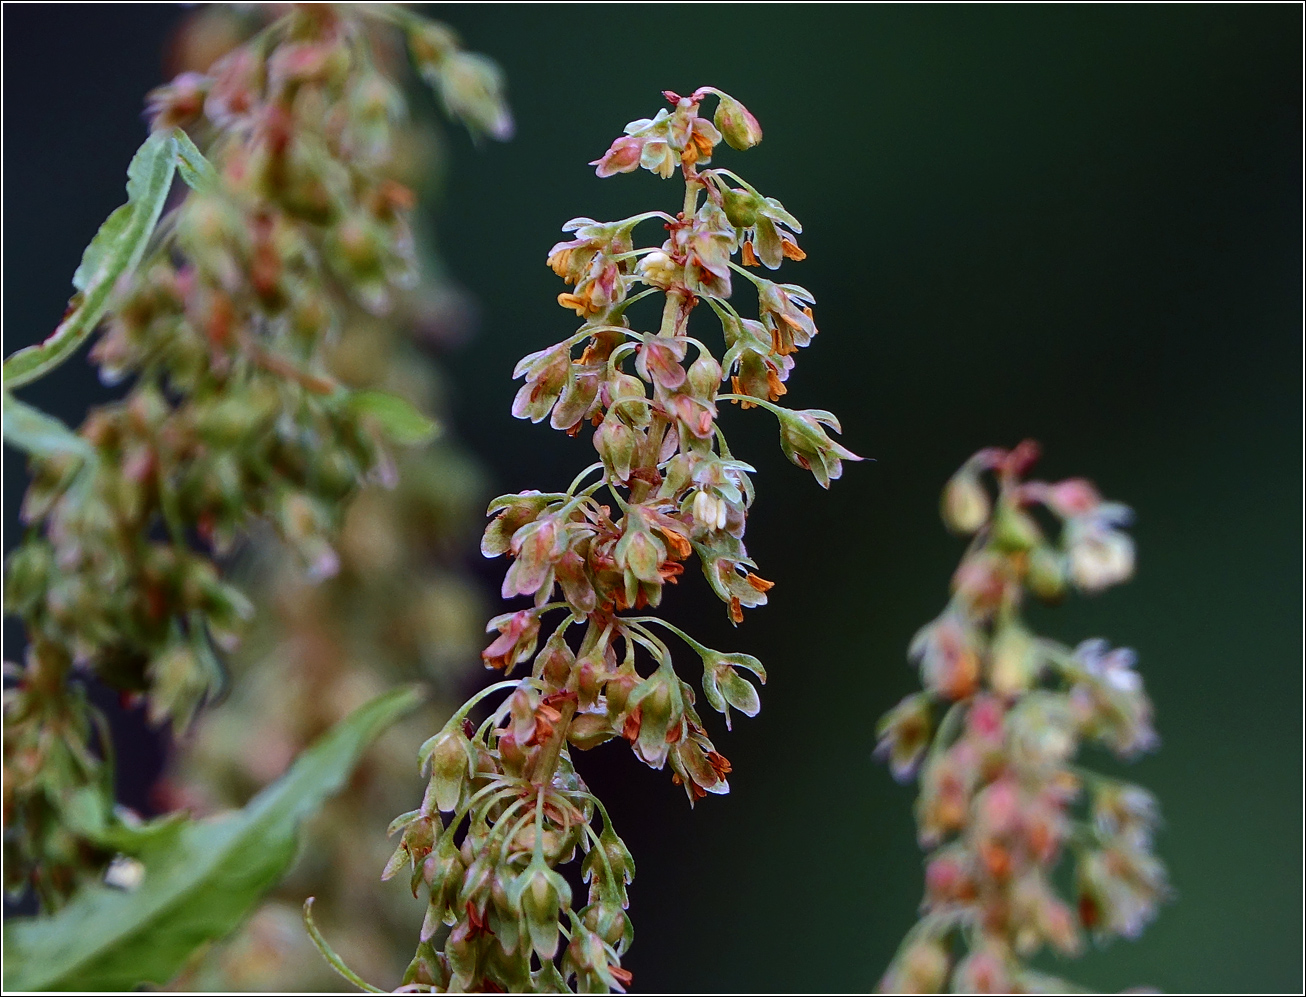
x,y
622,157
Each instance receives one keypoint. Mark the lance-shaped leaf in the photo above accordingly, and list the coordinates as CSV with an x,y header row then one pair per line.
x,y
199,882
198,173
116,249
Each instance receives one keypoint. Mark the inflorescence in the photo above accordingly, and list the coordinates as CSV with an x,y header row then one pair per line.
x,y
1001,798
505,805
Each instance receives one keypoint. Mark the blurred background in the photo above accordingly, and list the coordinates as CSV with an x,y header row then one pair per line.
x,y
1077,224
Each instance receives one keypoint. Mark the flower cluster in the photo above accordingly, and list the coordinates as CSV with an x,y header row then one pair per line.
x,y
506,807
233,416
401,609
1001,801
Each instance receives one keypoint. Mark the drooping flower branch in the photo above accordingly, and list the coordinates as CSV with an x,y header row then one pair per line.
x,y
505,805
994,736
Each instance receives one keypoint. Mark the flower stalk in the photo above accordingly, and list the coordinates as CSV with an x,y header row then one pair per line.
x,y
670,489
1001,802
295,230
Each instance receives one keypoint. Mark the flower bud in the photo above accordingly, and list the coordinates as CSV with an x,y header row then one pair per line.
x,y
661,707
904,735
622,157
923,968
178,683
740,207
639,554
616,443
451,766
29,570
1100,559
618,857
587,958
1014,530
607,920
430,43
704,376
541,893
723,685
472,88
736,124
589,730
553,664
623,385
427,969
618,689
658,269
1013,660
965,503
443,871
1046,575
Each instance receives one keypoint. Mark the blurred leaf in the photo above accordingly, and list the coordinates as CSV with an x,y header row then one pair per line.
x,y
199,883
115,250
398,419
195,170
34,432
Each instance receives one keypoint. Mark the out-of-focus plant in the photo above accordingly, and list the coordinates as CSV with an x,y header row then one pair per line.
x,y
505,807
994,737
225,313
398,610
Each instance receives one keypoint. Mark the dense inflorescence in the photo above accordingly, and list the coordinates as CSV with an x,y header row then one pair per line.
x,y
400,609
505,806
233,415
1001,799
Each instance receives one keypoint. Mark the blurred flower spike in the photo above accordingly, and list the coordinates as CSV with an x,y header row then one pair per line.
x,y
673,490
993,738
296,232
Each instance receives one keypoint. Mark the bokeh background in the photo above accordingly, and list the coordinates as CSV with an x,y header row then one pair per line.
x,y
1078,224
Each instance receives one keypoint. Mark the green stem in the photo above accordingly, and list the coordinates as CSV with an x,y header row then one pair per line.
x,y
329,954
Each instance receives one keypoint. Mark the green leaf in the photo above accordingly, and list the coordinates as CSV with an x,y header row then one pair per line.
x,y
199,882
34,432
397,417
116,249
198,172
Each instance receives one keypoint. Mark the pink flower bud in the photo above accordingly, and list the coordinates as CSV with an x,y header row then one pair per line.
x,y
622,156
1073,497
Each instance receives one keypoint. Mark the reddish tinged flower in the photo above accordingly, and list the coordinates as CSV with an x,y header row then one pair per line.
x,y
665,461
787,315
737,124
998,781
518,634
904,734
622,157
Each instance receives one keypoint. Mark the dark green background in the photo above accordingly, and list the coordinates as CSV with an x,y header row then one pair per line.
x,y
1080,224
